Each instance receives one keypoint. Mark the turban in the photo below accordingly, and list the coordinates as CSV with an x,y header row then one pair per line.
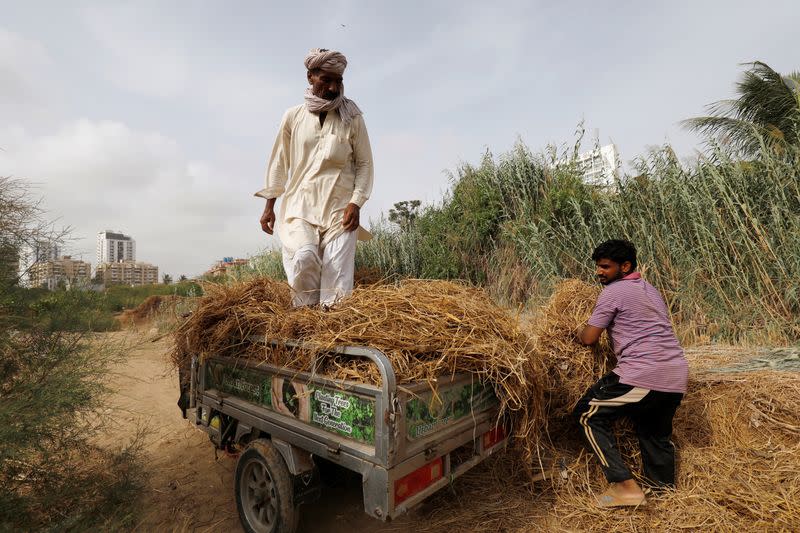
x,y
328,60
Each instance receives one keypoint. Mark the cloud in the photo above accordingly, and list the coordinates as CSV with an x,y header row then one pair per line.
x,y
26,88
245,102
98,175
469,54
138,57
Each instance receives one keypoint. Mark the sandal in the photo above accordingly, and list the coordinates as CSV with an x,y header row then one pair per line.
x,y
614,500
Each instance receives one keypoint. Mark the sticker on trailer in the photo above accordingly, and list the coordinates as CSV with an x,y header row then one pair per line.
x,y
255,387
430,412
348,415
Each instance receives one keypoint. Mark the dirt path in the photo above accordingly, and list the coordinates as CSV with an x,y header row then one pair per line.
x,y
188,489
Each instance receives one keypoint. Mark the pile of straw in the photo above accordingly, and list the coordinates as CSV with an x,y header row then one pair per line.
x,y
737,438
737,435
148,309
224,317
738,442
571,366
428,329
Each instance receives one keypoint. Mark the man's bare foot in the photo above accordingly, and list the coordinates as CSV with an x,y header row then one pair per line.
x,y
623,493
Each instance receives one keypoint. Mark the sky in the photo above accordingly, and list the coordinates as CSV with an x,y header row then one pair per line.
x,y
156,119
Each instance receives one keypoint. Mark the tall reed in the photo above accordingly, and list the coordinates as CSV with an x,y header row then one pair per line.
x,y
720,237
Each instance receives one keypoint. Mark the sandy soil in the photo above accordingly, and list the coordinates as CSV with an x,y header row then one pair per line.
x,y
188,487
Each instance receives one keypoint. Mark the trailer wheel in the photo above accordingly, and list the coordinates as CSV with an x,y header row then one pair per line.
x,y
264,490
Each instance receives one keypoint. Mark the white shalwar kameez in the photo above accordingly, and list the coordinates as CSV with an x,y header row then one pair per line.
x,y
318,169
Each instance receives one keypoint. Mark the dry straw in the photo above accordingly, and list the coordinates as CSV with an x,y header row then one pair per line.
x,y
428,329
737,435
737,438
571,366
148,309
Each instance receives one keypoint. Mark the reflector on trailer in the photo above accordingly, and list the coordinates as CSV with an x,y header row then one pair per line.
x,y
418,480
493,436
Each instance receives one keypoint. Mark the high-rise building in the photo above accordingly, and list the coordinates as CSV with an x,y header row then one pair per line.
x,y
599,166
10,264
45,251
113,247
126,273
65,271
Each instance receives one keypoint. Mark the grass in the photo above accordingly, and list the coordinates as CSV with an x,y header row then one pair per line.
x,y
720,237
80,310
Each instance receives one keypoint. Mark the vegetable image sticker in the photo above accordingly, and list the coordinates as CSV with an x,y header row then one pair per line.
x,y
248,384
348,415
428,413
291,398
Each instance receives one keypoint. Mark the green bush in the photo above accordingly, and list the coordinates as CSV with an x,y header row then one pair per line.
x,y
74,310
52,389
268,263
720,237
52,385
83,310
120,297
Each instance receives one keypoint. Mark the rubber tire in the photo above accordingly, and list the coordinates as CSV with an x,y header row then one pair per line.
x,y
264,451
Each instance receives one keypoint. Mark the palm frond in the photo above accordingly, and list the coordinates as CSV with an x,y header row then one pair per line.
x,y
768,103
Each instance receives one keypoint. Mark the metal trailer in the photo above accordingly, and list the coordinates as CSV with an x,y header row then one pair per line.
x,y
405,441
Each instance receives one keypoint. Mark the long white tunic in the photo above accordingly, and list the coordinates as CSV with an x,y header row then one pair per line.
x,y
318,169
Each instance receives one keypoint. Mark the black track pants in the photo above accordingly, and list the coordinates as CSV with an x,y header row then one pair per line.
x,y
651,412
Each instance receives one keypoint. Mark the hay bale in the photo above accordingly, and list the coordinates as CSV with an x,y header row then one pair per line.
x,y
428,329
571,367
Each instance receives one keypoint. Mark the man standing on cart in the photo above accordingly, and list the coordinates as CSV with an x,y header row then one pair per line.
x,y
321,164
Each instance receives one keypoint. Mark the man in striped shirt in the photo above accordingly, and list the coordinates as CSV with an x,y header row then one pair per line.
x,y
647,384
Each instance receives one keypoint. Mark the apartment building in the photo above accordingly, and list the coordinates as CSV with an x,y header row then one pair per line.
x,y
227,264
113,246
600,166
126,273
65,271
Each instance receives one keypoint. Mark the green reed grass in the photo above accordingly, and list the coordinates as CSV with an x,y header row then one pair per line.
x,y
720,237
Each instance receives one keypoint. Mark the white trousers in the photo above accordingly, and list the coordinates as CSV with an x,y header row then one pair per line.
x,y
321,274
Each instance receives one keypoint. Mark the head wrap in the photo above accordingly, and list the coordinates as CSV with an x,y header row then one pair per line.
x,y
335,62
325,59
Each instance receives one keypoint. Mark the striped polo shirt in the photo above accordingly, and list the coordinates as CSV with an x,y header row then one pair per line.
x,y
637,320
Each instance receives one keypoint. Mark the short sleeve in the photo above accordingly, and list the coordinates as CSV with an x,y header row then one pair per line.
x,y
605,310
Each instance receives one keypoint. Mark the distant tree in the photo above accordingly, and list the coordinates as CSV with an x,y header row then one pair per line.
x,y
23,226
768,104
167,279
182,277
404,213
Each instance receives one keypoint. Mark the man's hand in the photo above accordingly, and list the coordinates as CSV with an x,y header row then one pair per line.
x,y
351,216
268,217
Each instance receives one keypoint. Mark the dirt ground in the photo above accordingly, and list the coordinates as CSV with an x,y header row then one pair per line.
x,y
188,488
